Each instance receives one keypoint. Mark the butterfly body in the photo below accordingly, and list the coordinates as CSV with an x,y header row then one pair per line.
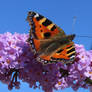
x,y
49,41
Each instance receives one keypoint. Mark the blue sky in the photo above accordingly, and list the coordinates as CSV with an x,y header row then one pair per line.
x,y
13,15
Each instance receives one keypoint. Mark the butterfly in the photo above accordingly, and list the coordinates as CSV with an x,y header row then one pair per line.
x,y
48,41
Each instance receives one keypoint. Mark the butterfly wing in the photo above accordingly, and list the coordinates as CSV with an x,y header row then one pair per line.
x,y
59,51
41,27
65,54
45,39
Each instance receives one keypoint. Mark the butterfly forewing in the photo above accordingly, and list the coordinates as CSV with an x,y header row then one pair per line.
x,y
43,28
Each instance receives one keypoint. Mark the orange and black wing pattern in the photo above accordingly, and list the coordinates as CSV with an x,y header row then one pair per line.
x,y
49,41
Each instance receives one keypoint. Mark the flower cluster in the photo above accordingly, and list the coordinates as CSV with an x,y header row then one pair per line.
x,y
18,61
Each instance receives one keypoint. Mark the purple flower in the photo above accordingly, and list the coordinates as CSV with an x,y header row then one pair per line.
x,y
61,84
18,61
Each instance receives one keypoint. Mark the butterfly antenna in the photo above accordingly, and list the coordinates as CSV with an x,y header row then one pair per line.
x,y
74,21
73,26
91,47
84,36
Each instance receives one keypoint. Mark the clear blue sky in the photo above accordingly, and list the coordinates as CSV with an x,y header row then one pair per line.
x,y
13,15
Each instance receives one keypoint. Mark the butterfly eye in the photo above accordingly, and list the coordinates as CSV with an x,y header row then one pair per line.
x,y
47,34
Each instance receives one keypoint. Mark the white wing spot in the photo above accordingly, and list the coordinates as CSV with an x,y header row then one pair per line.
x,y
72,57
37,15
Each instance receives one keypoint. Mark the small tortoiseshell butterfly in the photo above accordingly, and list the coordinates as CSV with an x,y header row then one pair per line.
x,y
49,41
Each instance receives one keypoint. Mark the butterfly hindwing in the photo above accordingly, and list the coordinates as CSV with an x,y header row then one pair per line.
x,y
58,51
65,54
